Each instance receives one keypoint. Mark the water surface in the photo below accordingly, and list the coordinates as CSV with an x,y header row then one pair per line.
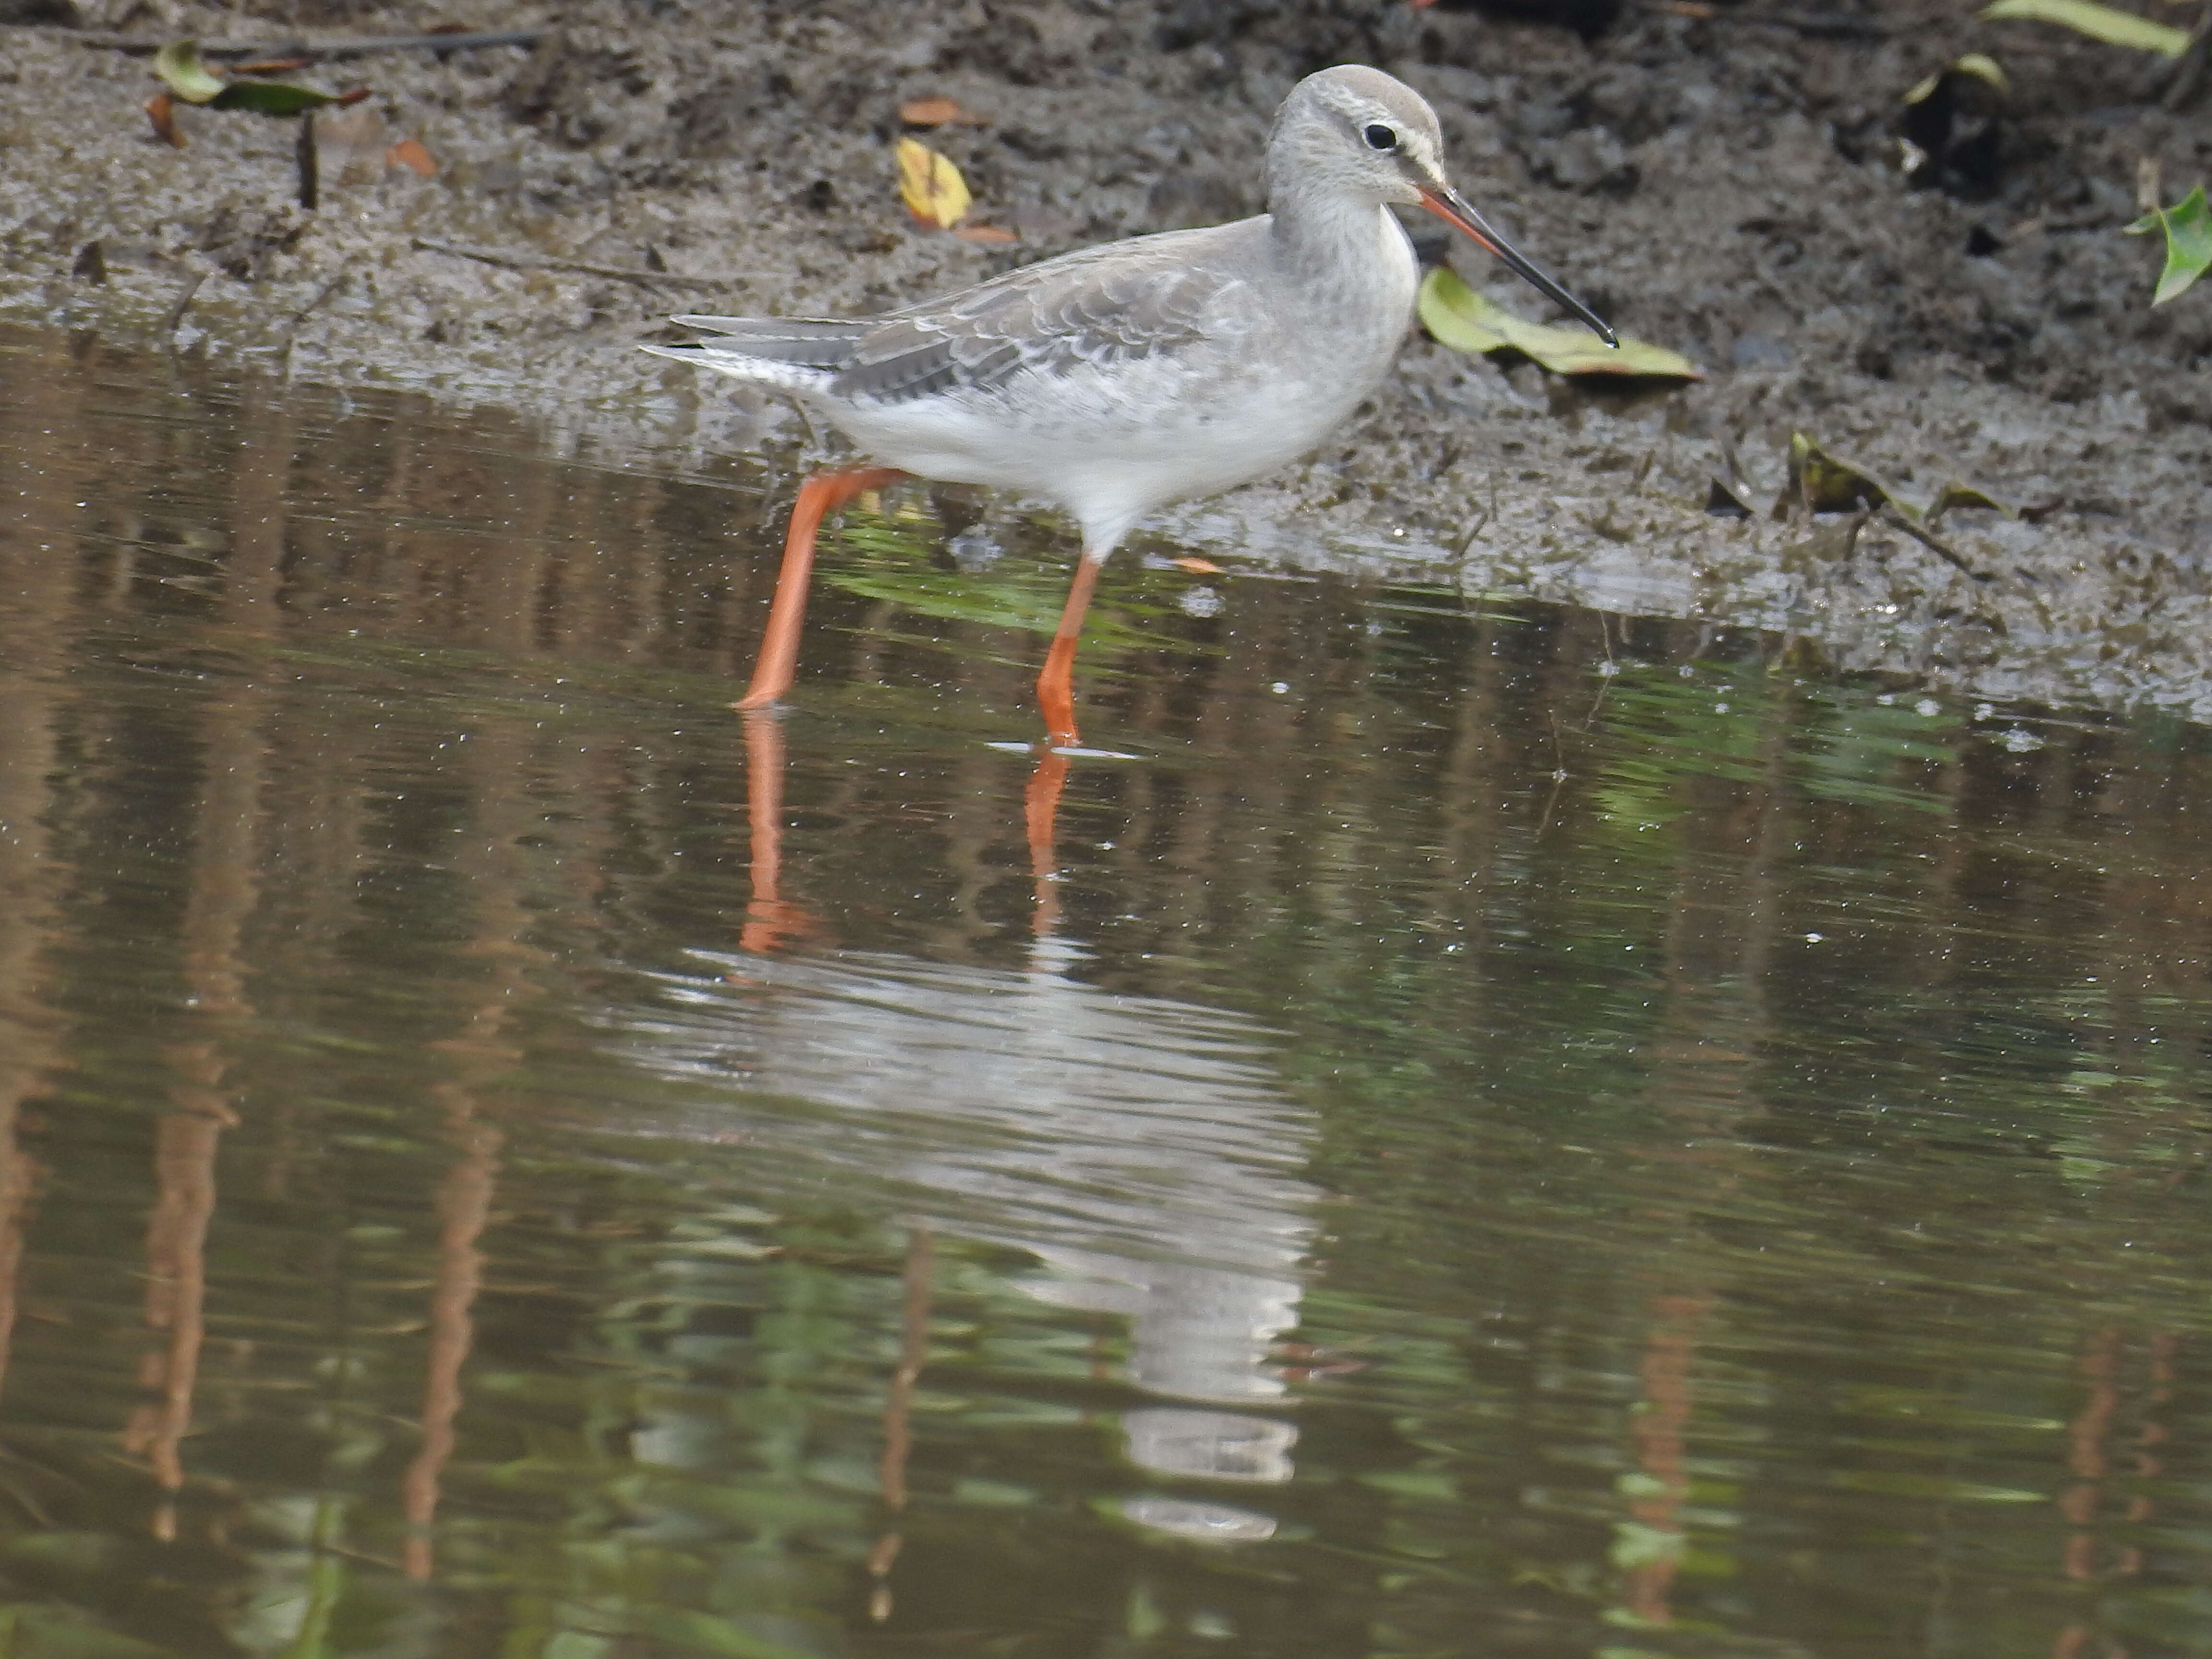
x,y
1495,1129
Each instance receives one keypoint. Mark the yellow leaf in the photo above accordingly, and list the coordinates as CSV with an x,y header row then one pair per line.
x,y
2106,23
1466,321
931,186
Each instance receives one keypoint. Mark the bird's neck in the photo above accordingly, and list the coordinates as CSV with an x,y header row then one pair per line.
x,y
1343,243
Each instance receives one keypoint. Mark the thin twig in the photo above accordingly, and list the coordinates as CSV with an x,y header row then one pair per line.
x,y
584,268
1558,774
182,304
137,45
308,162
292,331
1897,520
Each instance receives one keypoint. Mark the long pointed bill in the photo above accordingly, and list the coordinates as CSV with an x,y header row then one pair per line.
x,y
1451,207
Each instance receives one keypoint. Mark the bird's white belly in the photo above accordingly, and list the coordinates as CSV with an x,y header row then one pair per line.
x,y
1113,443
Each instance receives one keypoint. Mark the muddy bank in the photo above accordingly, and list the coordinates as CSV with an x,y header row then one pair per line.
x,y
1725,188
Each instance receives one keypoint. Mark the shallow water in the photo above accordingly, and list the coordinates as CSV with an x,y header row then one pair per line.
x,y
1495,1128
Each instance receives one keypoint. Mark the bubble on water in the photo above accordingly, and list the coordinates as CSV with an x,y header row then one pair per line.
x,y
2021,741
1200,601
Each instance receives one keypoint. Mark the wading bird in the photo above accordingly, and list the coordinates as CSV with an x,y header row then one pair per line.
x,y
1114,381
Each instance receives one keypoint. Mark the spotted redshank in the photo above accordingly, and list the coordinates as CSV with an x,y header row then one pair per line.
x,y
1114,381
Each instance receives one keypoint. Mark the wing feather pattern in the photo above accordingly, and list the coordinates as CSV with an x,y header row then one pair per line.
x,y
1056,317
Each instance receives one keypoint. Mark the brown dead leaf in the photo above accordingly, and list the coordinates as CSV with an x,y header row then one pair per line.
x,y
939,113
271,66
1196,566
410,153
987,235
161,111
931,186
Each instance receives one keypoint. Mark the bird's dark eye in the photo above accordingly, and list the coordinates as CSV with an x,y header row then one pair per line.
x,y
1381,137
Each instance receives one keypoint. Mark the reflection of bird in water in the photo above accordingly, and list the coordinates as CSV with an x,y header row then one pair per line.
x,y
1134,1145
1122,378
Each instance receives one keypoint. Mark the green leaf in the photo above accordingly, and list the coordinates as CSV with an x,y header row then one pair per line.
x,y
1955,494
178,67
2187,227
271,97
1823,483
2106,23
1466,321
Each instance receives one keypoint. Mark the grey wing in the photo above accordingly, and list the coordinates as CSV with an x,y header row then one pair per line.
x,y
1062,315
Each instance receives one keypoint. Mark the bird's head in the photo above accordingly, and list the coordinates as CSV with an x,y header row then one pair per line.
x,y
1357,132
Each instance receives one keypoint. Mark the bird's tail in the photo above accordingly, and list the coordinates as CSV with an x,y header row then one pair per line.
x,y
797,354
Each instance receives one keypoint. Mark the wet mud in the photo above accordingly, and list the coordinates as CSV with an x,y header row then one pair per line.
x,y
1724,186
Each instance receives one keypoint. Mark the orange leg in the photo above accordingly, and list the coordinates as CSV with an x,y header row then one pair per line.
x,y
819,497
1055,685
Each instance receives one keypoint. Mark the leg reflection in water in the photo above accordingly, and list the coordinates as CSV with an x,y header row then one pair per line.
x,y
770,919
1136,1146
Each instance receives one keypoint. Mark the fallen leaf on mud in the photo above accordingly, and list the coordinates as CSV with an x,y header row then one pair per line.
x,y
410,153
177,67
987,235
1954,495
931,186
1196,566
2107,23
1820,483
161,111
2187,227
939,113
1464,320
280,98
